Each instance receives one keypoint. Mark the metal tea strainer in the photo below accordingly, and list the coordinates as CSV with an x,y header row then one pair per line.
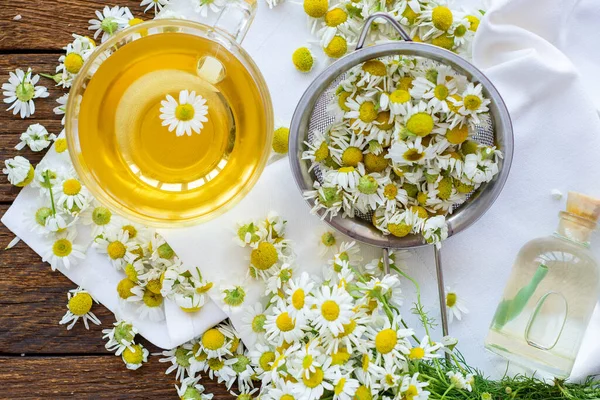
x,y
311,114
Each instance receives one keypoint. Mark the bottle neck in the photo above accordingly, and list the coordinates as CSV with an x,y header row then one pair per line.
x,y
575,228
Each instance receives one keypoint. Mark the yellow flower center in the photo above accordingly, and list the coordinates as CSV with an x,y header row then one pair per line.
x,y
60,145
316,8
445,188
367,112
399,230
284,322
410,15
442,18
80,304
328,239
348,328
71,187
444,41
264,256
73,63
62,247
411,392
440,92
352,156
458,134
116,250
390,191
406,83
215,364
383,121
413,155
341,357
343,97
335,17
213,339
322,152
339,387
152,299
337,47
474,22
198,355
303,59
416,353
130,229
451,299
375,67
363,393
386,340
472,102
421,124
287,397
184,112
375,162
124,288
420,211
307,361
280,140
451,104
298,299
399,96
460,31
365,362
154,285
330,310
266,359
133,357
314,379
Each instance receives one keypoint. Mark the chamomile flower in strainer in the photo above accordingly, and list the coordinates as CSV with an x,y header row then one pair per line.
x,y
420,121
347,151
399,223
410,152
318,149
148,304
280,326
369,192
135,356
435,229
363,112
393,195
63,251
435,93
71,195
344,177
398,102
470,105
79,306
186,115
120,337
179,357
117,246
328,199
19,171
190,389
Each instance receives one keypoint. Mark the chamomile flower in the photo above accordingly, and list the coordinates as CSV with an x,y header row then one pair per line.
x,y
327,241
135,356
36,217
455,305
77,52
437,18
71,195
147,304
363,113
318,149
313,386
410,152
61,109
216,342
190,389
109,21
186,115
471,104
248,233
389,340
179,357
333,310
351,337
117,246
276,282
221,370
120,337
297,294
413,388
435,93
425,350
369,192
328,200
280,326
203,7
233,297
79,306
345,177
393,195
460,381
18,171
63,252
156,4
335,21
21,90
36,137
348,252
100,218
56,222
435,229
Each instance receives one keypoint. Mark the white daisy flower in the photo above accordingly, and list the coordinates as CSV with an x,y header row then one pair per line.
x,y
389,340
435,229
369,192
148,304
421,121
363,113
280,326
71,194
185,286
318,149
186,115
333,310
71,63
216,342
117,246
455,305
21,90
426,350
280,390
47,176
156,4
412,388
61,109
278,279
471,104
109,21
337,21
135,356
344,177
328,199
410,152
344,387
179,358
120,337
435,93
352,337
36,137
437,18
348,252
297,294
79,306
312,388
253,321
36,217
204,6
190,389
56,222
18,171
64,252
221,370
233,297
461,381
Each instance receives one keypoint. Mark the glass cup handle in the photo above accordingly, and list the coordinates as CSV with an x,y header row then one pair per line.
x,y
236,17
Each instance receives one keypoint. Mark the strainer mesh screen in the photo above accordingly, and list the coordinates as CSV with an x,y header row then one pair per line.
x,y
321,119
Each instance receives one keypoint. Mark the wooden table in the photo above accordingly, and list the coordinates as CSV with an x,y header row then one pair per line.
x,y
39,357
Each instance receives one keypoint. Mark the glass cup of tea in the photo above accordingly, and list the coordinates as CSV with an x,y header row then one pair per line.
x,y
135,165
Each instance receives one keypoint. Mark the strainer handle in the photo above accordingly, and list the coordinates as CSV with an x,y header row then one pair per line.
x,y
441,289
369,21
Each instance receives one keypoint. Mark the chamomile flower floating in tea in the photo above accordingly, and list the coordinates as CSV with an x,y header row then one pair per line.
x,y
79,306
21,90
186,115
63,251
19,171
36,137
135,356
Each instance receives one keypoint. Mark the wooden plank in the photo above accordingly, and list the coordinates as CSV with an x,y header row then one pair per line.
x,y
93,377
47,25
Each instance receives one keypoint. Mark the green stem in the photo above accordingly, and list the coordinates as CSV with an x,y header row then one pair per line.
x,y
47,182
420,305
447,391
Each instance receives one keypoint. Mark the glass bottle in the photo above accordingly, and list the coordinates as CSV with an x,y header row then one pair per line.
x,y
550,295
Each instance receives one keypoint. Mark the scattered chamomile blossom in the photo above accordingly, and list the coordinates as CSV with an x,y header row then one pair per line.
x,y
185,286
179,357
399,150
303,59
117,246
190,389
63,251
61,109
109,21
147,303
203,7
79,306
21,90
455,305
186,115
18,171
233,297
36,137
135,356
327,242
156,4
120,337
281,138
100,219
77,52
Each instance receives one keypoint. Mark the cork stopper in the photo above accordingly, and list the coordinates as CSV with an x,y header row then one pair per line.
x,y
583,206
